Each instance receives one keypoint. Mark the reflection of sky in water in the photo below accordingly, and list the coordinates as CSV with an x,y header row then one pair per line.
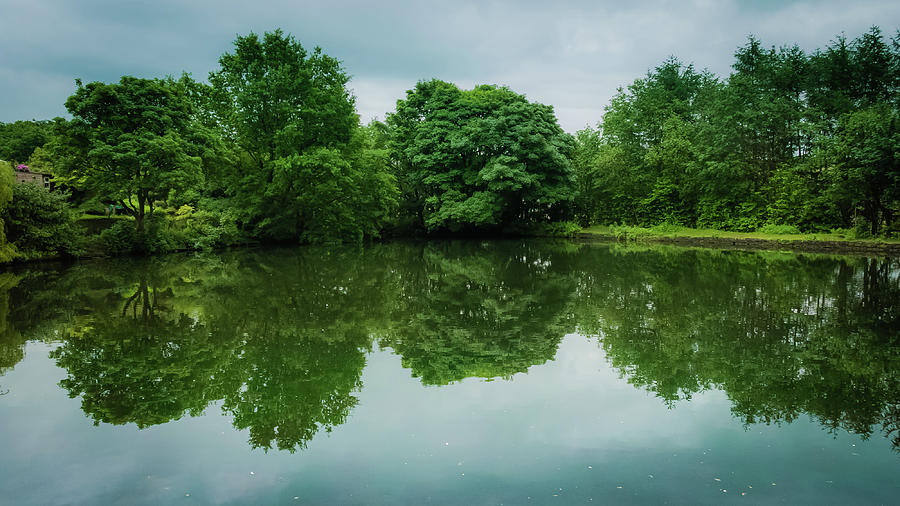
x,y
570,430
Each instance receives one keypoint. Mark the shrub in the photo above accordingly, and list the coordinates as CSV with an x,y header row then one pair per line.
x,y
203,229
667,228
778,229
40,222
119,239
559,229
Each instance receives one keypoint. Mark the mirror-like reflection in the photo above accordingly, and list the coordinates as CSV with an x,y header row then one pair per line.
x,y
781,335
490,314
12,344
278,339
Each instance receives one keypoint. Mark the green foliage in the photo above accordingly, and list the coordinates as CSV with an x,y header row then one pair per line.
x,y
778,229
278,99
866,147
7,251
279,338
304,170
19,140
119,239
806,140
479,159
557,229
40,223
131,142
645,167
204,229
271,150
584,156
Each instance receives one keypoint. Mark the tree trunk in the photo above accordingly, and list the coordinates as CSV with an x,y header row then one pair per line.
x,y
139,217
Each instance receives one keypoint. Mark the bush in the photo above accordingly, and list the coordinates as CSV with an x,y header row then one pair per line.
x,y
667,228
203,229
778,229
40,223
559,229
119,239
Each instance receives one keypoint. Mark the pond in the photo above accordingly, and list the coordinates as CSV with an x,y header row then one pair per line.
x,y
463,372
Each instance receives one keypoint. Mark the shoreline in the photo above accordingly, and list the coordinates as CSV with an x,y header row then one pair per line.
x,y
737,243
838,247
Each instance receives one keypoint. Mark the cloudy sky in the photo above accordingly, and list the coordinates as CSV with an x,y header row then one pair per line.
x,y
572,55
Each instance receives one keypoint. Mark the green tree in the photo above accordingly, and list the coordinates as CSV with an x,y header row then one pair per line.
x,y
327,194
584,162
303,169
480,158
131,142
19,139
647,167
867,171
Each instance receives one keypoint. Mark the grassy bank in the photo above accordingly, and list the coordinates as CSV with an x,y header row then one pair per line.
x,y
837,242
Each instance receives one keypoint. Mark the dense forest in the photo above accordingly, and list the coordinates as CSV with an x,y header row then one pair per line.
x,y
270,149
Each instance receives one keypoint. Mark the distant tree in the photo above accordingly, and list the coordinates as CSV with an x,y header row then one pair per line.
x,y
787,139
18,140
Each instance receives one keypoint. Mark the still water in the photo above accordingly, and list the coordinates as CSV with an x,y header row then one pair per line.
x,y
501,372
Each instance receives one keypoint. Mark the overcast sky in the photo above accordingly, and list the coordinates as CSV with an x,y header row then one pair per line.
x,y
572,55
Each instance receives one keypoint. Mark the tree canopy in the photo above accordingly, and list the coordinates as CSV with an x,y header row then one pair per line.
x,y
304,170
480,158
789,138
131,142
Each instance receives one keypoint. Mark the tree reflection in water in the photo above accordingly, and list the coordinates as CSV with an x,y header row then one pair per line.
x,y
279,338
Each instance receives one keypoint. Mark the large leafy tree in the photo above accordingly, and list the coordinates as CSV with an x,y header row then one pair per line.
x,y
302,167
480,158
276,99
132,142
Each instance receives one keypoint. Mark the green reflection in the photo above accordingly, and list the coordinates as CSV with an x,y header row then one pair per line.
x,y
480,310
781,335
278,339
12,344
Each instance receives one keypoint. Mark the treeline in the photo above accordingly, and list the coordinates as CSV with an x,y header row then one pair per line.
x,y
271,149
805,141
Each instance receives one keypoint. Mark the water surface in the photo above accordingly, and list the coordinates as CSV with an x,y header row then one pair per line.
x,y
502,372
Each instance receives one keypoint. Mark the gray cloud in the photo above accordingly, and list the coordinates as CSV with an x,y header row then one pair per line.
x,y
571,55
